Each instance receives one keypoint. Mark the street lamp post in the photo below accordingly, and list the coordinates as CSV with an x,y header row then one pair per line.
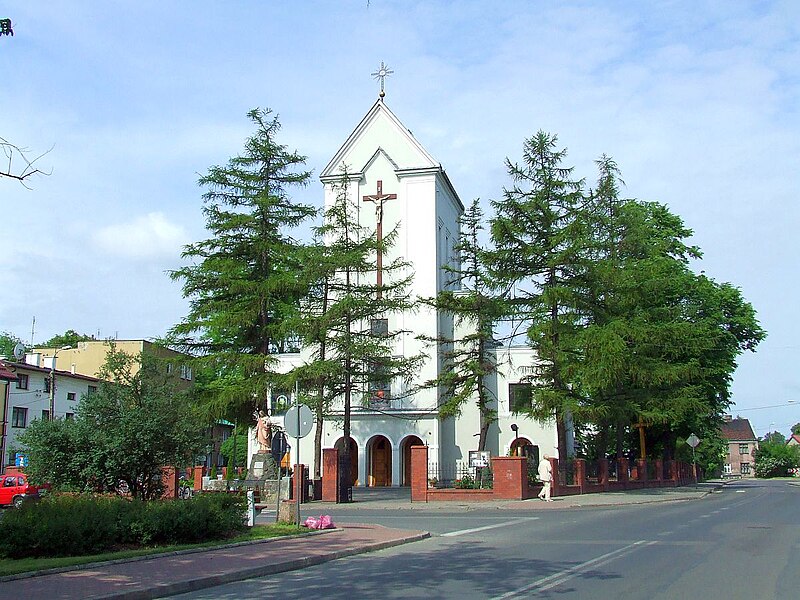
x,y
53,382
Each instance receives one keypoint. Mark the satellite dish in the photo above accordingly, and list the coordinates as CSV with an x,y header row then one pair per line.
x,y
19,351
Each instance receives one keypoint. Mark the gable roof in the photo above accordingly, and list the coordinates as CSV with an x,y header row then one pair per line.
x,y
5,373
402,149
794,437
738,429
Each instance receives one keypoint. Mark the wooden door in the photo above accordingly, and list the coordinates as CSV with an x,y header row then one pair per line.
x,y
381,463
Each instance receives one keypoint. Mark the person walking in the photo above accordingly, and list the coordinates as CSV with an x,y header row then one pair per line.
x,y
546,477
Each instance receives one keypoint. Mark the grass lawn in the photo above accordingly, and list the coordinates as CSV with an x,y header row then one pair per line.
x,y
259,532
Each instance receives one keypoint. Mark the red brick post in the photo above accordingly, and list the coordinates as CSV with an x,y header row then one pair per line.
x,y
170,477
419,473
510,477
554,483
673,471
602,473
300,483
641,469
659,470
330,474
198,478
580,473
622,470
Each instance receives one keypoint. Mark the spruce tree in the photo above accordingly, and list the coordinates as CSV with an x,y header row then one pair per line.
x,y
475,304
538,239
243,282
349,323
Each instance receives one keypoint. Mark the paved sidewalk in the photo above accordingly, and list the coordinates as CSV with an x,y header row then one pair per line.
x,y
185,572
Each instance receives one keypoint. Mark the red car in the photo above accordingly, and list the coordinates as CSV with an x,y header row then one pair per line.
x,y
15,490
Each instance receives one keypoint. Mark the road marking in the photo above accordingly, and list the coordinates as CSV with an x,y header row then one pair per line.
x,y
545,583
740,491
485,527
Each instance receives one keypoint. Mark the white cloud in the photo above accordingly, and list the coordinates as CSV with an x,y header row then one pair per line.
x,y
146,237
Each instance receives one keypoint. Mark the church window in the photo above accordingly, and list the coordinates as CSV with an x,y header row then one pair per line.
x,y
520,397
379,385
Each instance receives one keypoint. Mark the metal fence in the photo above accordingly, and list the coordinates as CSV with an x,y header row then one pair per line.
x,y
566,473
458,475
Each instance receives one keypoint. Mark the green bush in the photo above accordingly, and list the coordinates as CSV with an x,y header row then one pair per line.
x,y
64,525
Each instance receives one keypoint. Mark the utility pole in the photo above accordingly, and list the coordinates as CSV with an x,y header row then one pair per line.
x,y
53,382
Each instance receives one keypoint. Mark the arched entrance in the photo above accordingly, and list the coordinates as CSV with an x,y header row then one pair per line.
x,y
411,440
339,445
380,462
520,447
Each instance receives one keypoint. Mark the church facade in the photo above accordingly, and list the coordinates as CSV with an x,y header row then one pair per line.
x,y
413,193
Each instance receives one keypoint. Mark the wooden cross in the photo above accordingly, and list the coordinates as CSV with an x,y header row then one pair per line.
x,y
379,199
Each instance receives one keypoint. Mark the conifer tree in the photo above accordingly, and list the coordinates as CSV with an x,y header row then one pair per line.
x,y
243,282
538,240
356,346
475,304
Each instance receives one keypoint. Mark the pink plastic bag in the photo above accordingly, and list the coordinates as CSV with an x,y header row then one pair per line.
x,y
323,522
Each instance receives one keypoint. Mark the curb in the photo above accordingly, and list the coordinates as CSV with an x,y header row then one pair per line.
x,y
194,585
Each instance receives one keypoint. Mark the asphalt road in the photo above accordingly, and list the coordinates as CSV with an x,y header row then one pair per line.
x,y
741,542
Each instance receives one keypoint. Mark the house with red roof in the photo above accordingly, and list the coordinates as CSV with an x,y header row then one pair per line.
x,y
794,440
742,444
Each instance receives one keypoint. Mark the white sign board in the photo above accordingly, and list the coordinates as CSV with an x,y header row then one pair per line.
x,y
479,459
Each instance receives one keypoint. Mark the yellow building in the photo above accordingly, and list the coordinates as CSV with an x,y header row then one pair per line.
x,y
88,357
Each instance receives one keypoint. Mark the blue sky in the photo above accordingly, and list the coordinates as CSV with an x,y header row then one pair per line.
x,y
697,102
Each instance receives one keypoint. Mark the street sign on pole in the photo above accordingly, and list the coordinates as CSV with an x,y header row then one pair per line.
x,y
280,445
298,421
693,441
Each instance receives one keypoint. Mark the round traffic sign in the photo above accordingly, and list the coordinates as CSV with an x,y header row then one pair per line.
x,y
298,424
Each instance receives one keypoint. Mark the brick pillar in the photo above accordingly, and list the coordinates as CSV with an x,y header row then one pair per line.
x,y
300,483
198,478
622,470
554,484
330,474
170,477
580,473
673,471
659,469
602,473
419,473
510,477
641,469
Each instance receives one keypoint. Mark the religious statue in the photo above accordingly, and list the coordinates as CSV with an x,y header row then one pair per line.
x,y
263,430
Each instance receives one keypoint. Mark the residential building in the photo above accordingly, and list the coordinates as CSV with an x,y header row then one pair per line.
x,y
794,440
409,191
28,392
88,357
742,444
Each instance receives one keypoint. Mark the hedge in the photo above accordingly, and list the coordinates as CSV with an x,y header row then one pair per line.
x,y
76,525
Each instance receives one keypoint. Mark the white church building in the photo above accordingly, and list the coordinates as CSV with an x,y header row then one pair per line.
x,y
425,209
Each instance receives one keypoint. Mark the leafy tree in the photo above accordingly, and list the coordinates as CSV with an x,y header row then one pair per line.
x,y
237,440
774,458
242,283
7,343
69,338
659,343
796,428
351,321
476,306
538,239
123,433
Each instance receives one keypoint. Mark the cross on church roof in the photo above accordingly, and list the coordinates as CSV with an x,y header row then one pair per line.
x,y
382,74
